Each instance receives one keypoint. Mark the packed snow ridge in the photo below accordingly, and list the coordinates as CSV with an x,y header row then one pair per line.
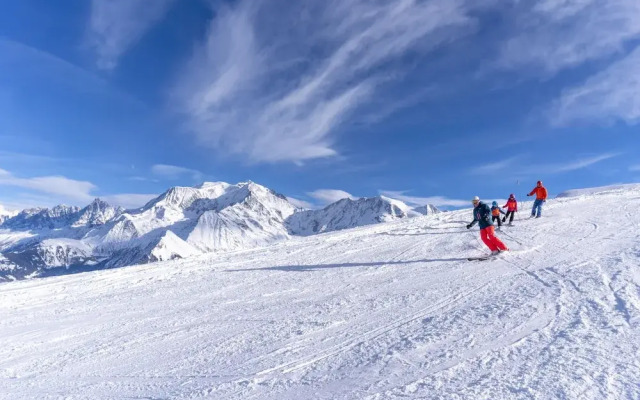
x,y
382,312
182,222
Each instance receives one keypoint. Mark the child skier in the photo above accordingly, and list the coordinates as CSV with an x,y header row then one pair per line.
x,y
495,214
481,213
512,209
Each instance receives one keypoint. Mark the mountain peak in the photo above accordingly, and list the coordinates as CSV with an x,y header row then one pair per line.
x,y
98,212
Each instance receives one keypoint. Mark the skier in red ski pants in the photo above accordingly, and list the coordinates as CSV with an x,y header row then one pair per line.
x,y
482,215
488,236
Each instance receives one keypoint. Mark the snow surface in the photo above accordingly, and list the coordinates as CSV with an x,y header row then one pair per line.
x,y
599,190
389,311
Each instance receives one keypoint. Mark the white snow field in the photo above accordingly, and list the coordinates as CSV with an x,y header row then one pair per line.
x,y
390,311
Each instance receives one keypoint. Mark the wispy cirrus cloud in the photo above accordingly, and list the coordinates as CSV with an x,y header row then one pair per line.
x,y
276,80
18,57
552,35
175,172
528,168
609,96
15,157
438,201
579,163
494,167
634,168
117,25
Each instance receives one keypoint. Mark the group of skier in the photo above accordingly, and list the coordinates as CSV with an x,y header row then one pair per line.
x,y
485,216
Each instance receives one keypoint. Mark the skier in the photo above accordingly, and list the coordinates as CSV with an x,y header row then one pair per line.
x,y
495,214
541,198
512,209
481,213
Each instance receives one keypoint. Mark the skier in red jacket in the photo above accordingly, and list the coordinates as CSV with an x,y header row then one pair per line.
x,y
541,198
512,208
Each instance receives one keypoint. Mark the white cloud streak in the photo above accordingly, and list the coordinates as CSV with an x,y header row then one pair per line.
x,y
609,96
175,172
276,80
552,35
17,56
50,190
328,196
507,167
495,167
117,25
66,188
438,201
579,164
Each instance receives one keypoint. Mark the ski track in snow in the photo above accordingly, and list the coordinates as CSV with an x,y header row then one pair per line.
x,y
392,311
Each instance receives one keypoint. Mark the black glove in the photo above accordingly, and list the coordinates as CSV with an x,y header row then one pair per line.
x,y
469,226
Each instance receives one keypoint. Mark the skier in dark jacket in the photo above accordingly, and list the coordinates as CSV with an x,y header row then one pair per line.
x,y
482,215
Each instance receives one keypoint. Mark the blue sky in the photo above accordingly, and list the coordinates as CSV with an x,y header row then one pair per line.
x,y
424,100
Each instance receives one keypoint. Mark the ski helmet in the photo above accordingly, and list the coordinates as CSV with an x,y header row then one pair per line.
x,y
495,203
539,183
475,200
512,196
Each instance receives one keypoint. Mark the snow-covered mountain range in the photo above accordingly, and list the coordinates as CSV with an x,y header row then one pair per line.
x,y
180,223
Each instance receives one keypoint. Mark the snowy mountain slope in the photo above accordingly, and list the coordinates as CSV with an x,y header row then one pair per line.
x,y
213,216
42,218
38,256
183,221
253,217
167,246
391,311
8,268
348,213
427,210
171,247
99,212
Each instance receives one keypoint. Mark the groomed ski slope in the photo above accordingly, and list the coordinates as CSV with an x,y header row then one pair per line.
x,y
392,311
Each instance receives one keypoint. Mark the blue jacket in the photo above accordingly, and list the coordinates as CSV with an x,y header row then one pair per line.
x,y
482,215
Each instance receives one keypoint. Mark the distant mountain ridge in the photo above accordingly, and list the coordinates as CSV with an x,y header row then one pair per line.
x,y
348,213
182,222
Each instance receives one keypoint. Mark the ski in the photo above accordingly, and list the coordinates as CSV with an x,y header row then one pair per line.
x,y
481,258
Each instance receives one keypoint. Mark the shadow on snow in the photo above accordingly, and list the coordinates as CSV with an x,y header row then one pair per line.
x,y
316,267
